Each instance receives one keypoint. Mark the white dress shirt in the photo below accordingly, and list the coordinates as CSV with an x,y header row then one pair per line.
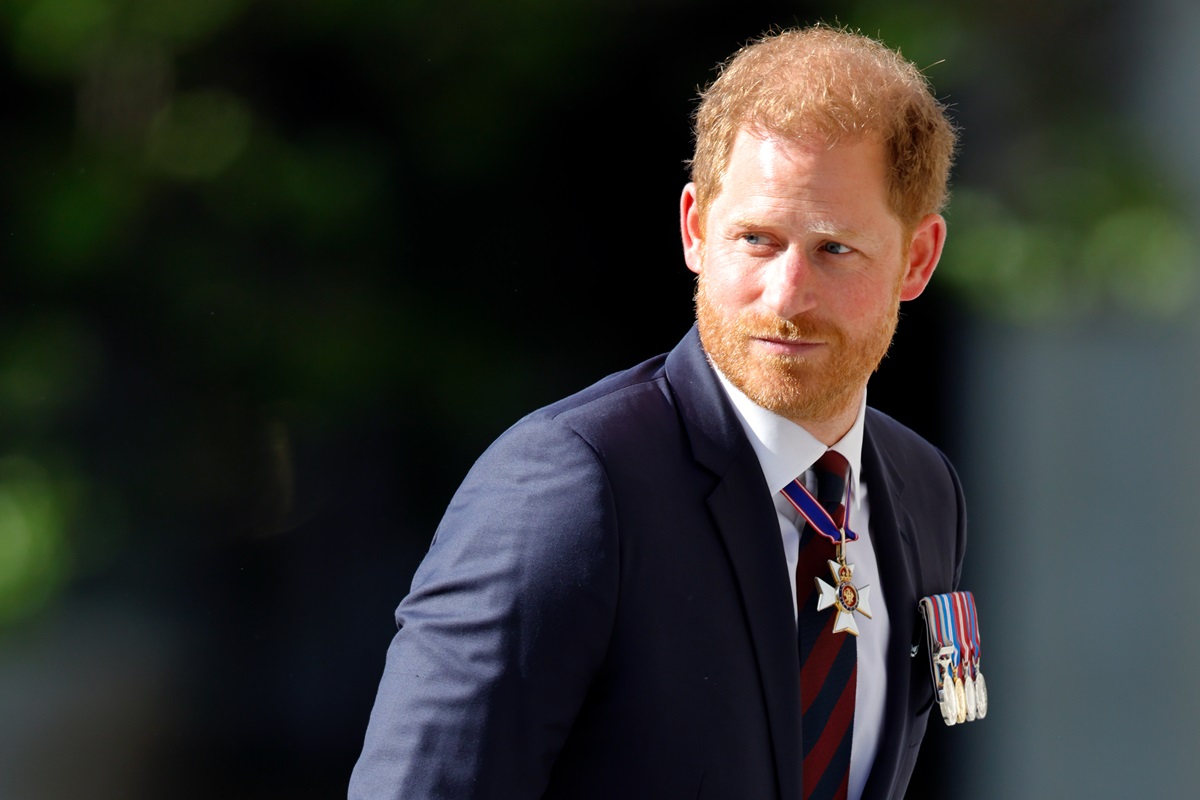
x,y
785,450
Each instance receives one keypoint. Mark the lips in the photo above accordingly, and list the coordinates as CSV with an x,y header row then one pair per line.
x,y
788,346
788,341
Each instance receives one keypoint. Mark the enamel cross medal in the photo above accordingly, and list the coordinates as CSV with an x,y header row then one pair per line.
x,y
843,594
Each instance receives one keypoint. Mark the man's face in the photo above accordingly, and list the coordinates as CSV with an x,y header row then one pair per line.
x,y
802,269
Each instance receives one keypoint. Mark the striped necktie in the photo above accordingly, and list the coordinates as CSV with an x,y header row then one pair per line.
x,y
828,661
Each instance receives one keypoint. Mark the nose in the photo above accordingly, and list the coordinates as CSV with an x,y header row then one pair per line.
x,y
787,284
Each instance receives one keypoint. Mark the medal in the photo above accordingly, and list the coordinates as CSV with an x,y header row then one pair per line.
x,y
962,627
964,676
844,594
969,694
980,696
952,629
943,664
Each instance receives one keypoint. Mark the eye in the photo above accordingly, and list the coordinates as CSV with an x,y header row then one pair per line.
x,y
836,248
754,239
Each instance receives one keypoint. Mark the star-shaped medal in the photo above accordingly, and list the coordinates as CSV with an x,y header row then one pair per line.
x,y
846,596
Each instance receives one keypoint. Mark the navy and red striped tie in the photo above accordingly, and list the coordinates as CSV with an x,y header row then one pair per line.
x,y
828,661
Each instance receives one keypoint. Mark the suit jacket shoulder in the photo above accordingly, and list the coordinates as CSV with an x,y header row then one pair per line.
x,y
927,491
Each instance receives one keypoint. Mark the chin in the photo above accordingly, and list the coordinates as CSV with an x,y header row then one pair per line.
x,y
798,395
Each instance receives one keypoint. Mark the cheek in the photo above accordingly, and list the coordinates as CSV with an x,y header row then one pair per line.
x,y
731,294
729,282
867,300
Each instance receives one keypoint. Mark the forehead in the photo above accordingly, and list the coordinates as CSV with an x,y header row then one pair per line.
x,y
778,151
770,169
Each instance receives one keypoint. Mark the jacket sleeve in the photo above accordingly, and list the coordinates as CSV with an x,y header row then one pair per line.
x,y
505,626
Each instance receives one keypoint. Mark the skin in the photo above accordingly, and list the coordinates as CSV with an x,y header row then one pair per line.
x,y
802,267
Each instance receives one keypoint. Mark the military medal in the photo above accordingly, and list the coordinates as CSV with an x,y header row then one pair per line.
x,y
844,594
944,688
952,629
969,695
981,698
966,674
964,649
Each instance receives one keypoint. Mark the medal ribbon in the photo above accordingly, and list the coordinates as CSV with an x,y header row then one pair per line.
x,y
962,627
957,625
973,620
938,622
946,626
803,501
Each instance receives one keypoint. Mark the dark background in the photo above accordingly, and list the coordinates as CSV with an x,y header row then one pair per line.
x,y
274,274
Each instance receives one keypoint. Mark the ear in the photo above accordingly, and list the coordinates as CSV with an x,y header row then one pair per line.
x,y
690,228
924,252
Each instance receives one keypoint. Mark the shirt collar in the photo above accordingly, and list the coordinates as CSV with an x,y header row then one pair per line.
x,y
786,450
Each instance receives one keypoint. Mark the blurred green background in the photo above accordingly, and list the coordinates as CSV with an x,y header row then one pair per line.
x,y
273,274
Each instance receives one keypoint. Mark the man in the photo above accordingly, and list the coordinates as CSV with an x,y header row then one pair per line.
x,y
619,602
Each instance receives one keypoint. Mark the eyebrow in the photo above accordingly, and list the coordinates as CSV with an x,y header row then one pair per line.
x,y
835,231
822,227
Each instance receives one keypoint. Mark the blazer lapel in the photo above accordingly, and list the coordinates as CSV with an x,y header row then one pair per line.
x,y
745,519
892,536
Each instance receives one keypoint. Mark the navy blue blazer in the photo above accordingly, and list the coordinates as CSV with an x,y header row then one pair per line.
x,y
605,611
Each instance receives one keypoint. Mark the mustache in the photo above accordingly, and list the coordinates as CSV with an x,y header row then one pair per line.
x,y
801,328
755,324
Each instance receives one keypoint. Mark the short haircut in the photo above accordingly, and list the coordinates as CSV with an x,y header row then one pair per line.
x,y
832,84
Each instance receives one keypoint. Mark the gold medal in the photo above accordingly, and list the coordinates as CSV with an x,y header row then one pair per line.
x,y
960,699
